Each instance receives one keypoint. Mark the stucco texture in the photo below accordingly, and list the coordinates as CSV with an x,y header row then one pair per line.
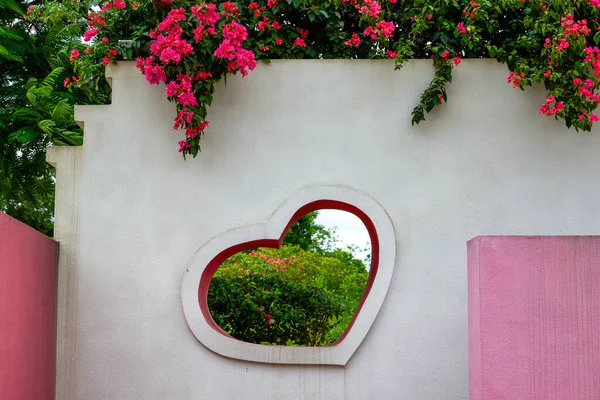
x,y
131,213
28,276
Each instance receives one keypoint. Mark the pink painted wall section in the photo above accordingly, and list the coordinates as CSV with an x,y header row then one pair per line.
x,y
28,281
534,318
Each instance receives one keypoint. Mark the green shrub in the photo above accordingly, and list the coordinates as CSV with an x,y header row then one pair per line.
x,y
287,296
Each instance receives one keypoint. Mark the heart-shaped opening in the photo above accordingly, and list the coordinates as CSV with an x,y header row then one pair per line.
x,y
276,243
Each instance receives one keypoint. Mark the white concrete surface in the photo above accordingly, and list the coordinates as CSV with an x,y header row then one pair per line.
x,y
131,213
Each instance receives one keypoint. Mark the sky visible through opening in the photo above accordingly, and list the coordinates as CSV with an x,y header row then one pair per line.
x,y
349,229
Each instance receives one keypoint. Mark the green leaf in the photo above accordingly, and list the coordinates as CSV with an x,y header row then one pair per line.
x,y
11,5
50,80
10,34
23,135
46,126
4,53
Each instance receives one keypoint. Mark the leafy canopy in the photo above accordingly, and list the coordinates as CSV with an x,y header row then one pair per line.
x,y
288,296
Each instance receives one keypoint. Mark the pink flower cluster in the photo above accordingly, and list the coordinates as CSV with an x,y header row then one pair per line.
x,y
371,7
112,53
89,34
74,54
592,57
231,49
73,79
182,88
382,27
116,4
573,27
515,78
354,41
280,264
461,27
183,115
183,145
586,89
202,75
96,20
206,14
154,73
170,47
193,131
595,3
552,106
230,7
561,45
234,32
299,42
370,32
386,28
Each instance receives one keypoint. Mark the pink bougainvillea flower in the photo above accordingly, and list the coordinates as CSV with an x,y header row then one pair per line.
x,y
89,34
230,7
202,75
354,41
370,32
207,14
515,78
371,7
234,32
386,28
184,145
299,42
74,54
461,27
154,73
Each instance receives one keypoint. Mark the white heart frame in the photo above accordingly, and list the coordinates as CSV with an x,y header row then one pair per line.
x,y
211,255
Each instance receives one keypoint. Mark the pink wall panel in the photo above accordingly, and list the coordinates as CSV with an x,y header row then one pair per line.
x,y
534,318
28,279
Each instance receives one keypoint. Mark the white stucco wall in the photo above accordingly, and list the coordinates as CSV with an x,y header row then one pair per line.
x,y
131,213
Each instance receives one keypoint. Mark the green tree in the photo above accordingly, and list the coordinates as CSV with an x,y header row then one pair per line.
x,y
35,109
289,295
310,236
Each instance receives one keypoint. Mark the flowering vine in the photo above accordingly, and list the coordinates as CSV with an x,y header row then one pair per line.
x,y
190,45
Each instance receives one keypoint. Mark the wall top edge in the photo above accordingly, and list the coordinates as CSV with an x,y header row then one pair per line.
x,y
7,220
55,154
534,237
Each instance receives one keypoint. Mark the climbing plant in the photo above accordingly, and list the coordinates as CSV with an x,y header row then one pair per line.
x,y
191,45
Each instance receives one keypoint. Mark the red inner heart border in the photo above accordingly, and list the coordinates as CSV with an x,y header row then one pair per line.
x,y
210,255
220,258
